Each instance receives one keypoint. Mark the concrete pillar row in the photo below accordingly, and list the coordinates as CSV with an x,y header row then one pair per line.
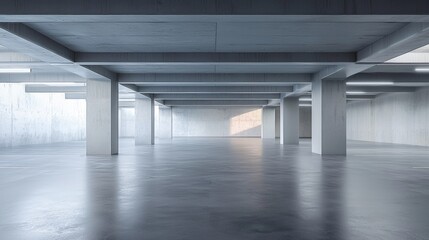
x,y
145,121
289,120
101,117
268,129
329,117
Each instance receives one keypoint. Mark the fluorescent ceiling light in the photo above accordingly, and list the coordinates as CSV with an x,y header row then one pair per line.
x,y
369,83
305,99
352,93
127,100
421,69
305,105
15,70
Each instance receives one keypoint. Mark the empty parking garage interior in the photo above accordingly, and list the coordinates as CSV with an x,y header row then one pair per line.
x,y
230,119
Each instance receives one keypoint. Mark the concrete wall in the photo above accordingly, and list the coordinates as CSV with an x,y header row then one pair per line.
x,y
305,122
392,118
217,122
37,118
126,122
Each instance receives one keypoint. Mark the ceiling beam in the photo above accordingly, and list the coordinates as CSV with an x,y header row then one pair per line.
x,y
23,39
39,88
397,78
214,79
230,89
379,89
214,96
406,39
215,103
212,58
225,7
40,78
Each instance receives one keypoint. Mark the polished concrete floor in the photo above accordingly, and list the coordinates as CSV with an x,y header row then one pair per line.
x,y
214,189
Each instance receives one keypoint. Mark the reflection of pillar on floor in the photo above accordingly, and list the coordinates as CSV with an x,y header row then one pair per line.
x,y
101,117
165,123
268,129
289,120
329,117
145,126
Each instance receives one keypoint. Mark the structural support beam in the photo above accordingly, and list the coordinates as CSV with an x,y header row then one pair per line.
x,y
379,89
397,79
213,58
145,121
217,96
215,103
23,39
214,79
289,120
101,117
40,88
94,10
329,117
408,38
232,89
268,130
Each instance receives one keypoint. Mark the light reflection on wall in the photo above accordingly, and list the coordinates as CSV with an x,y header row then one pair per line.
x,y
245,123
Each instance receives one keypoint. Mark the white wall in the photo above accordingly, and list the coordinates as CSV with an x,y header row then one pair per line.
x,y
392,118
126,122
216,122
36,118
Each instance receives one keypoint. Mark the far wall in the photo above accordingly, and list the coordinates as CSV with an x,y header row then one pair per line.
x,y
216,122
391,118
37,118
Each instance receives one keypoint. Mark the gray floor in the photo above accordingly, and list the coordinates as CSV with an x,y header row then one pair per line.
x,y
214,189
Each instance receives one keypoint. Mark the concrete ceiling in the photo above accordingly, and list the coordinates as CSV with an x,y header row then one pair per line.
x,y
215,36
117,40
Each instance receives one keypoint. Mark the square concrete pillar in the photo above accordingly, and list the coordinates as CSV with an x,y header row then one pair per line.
x,y
268,129
165,122
329,117
289,120
101,117
145,121
277,122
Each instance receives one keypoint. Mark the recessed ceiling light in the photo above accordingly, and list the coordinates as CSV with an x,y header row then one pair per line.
x,y
369,83
421,69
15,70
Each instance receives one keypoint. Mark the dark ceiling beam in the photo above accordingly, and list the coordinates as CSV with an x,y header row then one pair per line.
x,y
213,58
225,7
219,96
215,102
213,79
230,89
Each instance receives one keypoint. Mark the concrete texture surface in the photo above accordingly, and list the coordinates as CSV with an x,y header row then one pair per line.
x,y
392,118
305,122
39,117
214,189
217,122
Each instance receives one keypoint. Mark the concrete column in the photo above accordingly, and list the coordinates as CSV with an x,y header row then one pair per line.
x,y
329,117
165,122
289,120
145,122
101,117
277,122
268,129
